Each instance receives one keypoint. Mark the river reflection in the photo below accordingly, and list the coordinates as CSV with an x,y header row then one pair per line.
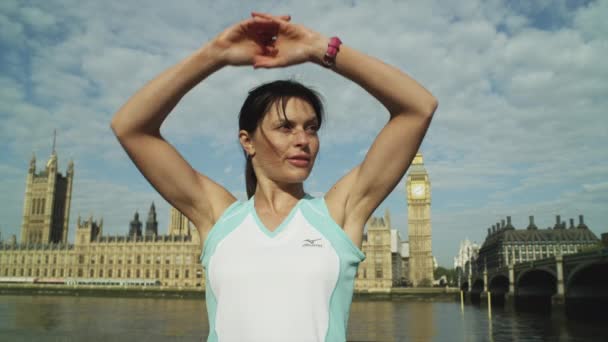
x,y
55,318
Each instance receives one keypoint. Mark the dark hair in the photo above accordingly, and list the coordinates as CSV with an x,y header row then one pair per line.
x,y
259,102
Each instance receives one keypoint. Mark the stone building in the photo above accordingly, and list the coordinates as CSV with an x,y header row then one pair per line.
x,y
46,207
385,265
167,260
418,189
504,243
376,272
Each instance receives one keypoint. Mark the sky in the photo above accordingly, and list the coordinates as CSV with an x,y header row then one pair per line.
x,y
521,127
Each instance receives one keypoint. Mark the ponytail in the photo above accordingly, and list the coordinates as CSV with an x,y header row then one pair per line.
x,y
251,181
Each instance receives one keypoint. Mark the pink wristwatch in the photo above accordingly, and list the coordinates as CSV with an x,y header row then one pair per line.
x,y
333,47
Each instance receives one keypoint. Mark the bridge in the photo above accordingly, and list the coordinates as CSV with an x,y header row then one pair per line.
x,y
578,282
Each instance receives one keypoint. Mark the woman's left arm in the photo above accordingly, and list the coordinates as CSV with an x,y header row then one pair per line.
x,y
355,197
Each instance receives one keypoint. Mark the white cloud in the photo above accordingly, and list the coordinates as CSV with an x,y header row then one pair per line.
x,y
520,85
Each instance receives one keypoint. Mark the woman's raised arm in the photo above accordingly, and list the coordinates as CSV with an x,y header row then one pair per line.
x,y
137,123
354,197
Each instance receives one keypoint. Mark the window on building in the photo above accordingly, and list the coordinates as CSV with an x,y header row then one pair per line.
x,y
109,273
187,274
91,273
80,272
81,259
138,260
61,272
53,273
128,273
176,274
147,273
101,259
119,273
54,259
166,273
157,274
46,259
100,273
137,273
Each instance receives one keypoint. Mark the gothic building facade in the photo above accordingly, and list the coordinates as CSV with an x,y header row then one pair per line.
x,y
418,189
167,260
505,243
46,208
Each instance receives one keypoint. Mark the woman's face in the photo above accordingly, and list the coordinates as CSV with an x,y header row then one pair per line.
x,y
285,145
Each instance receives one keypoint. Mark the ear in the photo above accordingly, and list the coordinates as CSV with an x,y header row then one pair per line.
x,y
246,142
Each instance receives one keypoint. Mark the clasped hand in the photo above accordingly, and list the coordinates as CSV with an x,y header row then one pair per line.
x,y
266,41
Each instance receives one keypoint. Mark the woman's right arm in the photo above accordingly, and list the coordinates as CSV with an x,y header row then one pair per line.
x,y
137,124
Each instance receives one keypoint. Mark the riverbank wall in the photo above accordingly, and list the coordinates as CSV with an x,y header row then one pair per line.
x,y
424,294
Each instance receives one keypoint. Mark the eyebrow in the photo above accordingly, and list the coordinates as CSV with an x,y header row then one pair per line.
x,y
291,122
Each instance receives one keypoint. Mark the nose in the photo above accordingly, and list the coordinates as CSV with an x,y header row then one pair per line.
x,y
301,138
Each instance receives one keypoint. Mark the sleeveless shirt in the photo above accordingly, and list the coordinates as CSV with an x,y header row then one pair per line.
x,y
291,284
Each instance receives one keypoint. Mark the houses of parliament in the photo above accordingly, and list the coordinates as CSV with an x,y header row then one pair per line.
x,y
172,260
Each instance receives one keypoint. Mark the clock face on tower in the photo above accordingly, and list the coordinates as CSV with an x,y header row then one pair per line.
x,y
418,190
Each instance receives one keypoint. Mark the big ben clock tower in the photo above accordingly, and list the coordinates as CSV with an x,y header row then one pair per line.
x,y
418,187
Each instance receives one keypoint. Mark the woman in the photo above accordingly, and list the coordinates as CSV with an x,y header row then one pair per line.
x,y
280,266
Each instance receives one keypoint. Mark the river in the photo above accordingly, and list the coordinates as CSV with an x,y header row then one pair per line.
x,y
61,318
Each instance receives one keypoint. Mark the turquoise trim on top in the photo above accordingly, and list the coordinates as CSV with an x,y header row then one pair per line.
x,y
283,224
222,217
316,213
229,221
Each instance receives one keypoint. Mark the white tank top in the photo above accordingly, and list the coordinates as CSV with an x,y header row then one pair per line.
x,y
292,284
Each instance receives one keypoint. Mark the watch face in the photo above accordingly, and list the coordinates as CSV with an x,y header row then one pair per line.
x,y
417,190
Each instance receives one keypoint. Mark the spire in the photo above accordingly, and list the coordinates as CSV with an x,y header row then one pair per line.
x,y
387,218
418,159
33,163
531,225
54,140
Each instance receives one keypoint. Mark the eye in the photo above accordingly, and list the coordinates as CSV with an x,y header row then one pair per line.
x,y
312,128
285,126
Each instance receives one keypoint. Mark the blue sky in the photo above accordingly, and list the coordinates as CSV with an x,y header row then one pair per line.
x,y
521,127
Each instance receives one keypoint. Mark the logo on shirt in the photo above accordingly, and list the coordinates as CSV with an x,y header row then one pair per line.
x,y
311,243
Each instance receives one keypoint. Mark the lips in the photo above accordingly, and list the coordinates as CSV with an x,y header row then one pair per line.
x,y
300,160
300,157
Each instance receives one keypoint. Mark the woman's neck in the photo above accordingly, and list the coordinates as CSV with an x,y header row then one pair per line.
x,y
275,198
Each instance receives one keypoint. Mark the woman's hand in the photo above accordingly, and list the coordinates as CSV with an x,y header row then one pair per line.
x,y
243,42
294,44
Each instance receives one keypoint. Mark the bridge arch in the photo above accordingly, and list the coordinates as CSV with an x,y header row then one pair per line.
x,y
587,290
534,289
464,286
499,287
476,291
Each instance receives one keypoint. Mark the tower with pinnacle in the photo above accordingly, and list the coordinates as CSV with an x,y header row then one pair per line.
x,y
46,209
179,225
418,188
151,222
